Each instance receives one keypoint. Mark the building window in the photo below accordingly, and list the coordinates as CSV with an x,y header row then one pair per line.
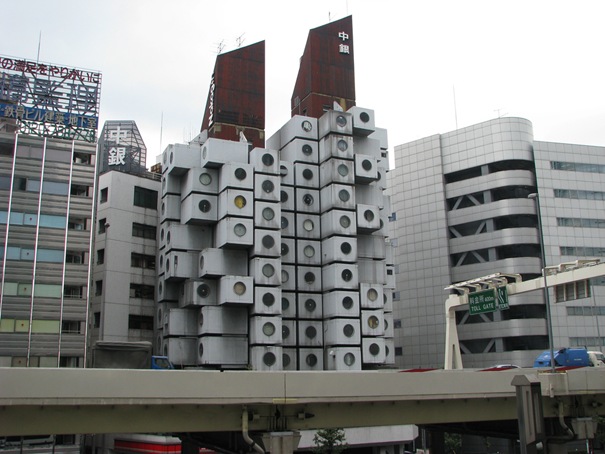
x,y
79,190
140,322
142,291
582,251
104,195
76,223
69,361
74,257
142,261
579,194
398,351
100,256
72,291
144,231
581,222
99,287
397,323
70,326
96,320
577,167
103,225
145,198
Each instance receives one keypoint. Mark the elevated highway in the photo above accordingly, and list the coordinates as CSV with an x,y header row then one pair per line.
x,y
42,401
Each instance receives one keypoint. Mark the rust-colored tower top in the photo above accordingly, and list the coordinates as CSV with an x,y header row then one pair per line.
x,y
327,70
236,98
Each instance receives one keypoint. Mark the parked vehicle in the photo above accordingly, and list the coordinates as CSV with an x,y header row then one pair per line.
x,y
571,357
127,355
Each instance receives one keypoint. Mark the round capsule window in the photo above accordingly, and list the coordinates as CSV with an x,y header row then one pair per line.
x,y
386,324
285,332
201,350
203,290
204,206
240,201
348,330
374,349
343,170
309,277
285,276
344,195
364,117
285,360
345,221
307,149
341,120
284,222
161,261
268,329
308,225
201,319
268,270
204,152
373,321
366,164
347,302
160,292
240,174
283,196
310,304
284,249
268,159
311,332
171,157
240,230
311,360
269,359
346,248
268,214
268,241
268,186
161,234
307,174
285,303
205,179
347,275
306,125
268,299
168,265
349,359
308,199
283,170
239,288
342,145
372,294
163,208
309,251
368,215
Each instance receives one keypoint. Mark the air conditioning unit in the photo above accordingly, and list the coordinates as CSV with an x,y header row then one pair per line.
x,y
301,150
306,175
308,226
336,146
167,291
235,202
337,196
391,280
288,333
267,215
288,251
185,237
288,224
340,276
264,160
381,135
265,330
341,303
231,351
364,122
171,184
308,278
368,146
266,358
235,232
341,171
267,243
170,208
335,122
298,127
389,350
389,330
181,157
199,181
374,271
180,351
180,265
216,152
198,292
368,218
366,169
338,222
237,175
310,333
371,247
373,350
342,331
267,187
214,262
310,306
311,359
288,304
307,200
338,249
266,271
214,320
289,360
342,358
199,209
236,290
180,322
267,300
308,252
372,323
288,278
286,173
371,296
287,198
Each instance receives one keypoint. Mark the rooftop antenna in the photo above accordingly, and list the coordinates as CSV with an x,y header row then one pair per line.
x,y
39,44
220,46
240,40
161,129
500,115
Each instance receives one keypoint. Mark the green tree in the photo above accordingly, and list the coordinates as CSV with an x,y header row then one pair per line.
x,y
453,443
329,441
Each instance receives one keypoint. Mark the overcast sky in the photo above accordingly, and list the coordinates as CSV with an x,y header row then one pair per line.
x,y
424,66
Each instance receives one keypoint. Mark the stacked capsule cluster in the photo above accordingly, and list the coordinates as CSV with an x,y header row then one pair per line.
x,y
278,258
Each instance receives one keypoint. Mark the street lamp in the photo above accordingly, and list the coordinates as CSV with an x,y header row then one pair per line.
x,y
534,195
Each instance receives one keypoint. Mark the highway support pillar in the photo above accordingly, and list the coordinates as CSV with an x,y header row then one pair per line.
x,y
281,442
529,414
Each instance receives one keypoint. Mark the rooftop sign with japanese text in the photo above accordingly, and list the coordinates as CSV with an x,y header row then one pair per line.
x,y
50,100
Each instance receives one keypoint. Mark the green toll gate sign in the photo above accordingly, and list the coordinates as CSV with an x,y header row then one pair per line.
x,y
489,300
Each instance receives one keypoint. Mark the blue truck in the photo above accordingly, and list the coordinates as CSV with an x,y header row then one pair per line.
x,y
571,357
